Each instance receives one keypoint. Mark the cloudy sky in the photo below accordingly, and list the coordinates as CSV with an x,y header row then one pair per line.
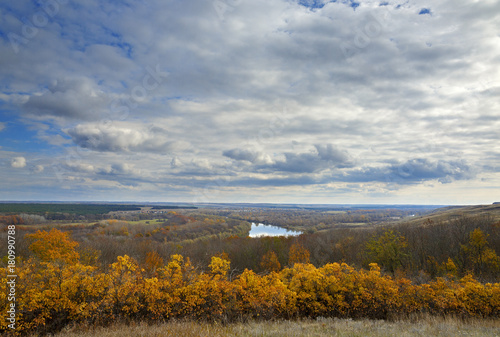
x,y
305,101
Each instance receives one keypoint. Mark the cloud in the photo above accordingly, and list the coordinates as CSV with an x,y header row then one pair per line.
x,y
76,98
413,171
338,158
301,163
422,169
254,157
37,169
307,169
18,162
325,157
2,126
112,171
114,138
175,162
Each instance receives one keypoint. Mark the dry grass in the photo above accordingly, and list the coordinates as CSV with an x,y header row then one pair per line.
x,y
429,326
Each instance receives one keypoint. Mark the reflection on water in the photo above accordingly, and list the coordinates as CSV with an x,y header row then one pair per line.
x,y
267,230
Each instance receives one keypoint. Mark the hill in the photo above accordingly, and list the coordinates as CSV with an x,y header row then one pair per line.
x,y
445,214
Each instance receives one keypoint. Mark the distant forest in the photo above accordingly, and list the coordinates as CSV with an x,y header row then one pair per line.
x,y
76,209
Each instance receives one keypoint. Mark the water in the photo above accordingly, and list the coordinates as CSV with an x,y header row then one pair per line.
x,y
267,230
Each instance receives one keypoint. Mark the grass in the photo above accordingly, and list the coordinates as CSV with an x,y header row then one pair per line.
x,y
427,326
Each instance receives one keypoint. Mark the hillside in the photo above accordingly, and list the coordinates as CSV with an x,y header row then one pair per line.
x,y
445,214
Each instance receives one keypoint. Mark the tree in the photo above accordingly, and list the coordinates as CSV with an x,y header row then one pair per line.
x,y
152,262
270,262
481,256
53,246
389,250
298,254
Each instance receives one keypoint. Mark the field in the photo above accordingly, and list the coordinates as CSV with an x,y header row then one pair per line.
x,y
321,327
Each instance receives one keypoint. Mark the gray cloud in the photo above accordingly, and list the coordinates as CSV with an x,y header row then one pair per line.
x,y
409,173
254,157
325,157
301,163
338,158
413,171
104,138
70,98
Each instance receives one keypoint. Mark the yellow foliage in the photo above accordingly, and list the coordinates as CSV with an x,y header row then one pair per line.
x,y
219,267
124,282
53,246
264,297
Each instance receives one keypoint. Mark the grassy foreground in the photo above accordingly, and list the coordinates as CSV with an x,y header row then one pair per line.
x,y
429,326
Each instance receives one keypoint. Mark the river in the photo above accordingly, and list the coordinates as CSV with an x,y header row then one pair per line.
x,y
268,230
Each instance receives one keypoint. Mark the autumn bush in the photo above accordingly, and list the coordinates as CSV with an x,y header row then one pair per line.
x,y
55,287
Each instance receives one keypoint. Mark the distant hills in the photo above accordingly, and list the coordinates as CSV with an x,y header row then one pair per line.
x,y
444,214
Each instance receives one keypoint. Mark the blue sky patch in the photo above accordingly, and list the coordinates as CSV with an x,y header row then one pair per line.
x,y
312,3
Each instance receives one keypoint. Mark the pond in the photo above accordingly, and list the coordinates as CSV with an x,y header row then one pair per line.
x,y
267,230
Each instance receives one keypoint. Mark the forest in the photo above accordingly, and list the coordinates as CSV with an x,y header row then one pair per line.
x,y
201,264
71,210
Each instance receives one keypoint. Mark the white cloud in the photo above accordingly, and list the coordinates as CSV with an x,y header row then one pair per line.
x,y
18,162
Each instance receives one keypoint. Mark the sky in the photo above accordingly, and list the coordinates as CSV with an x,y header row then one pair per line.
x,y
283,101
